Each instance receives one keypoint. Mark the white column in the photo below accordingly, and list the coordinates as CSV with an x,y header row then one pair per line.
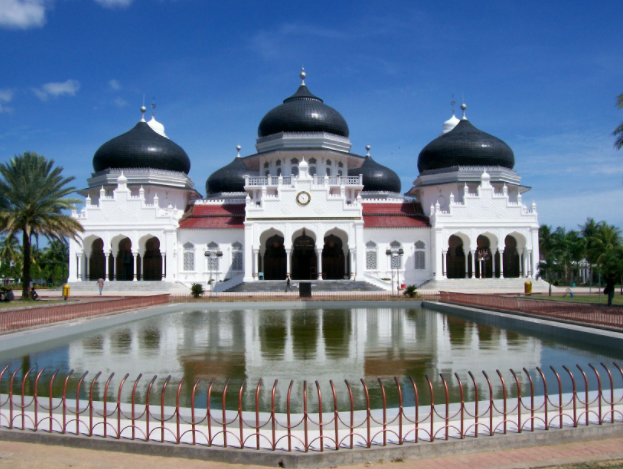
x,y
72,262
530,272
248,254
164,265
474,262
86,267
288,260
319,263
142,267
352,263
255,254
466,264
135,256
106,257
79,267
444,264
502,263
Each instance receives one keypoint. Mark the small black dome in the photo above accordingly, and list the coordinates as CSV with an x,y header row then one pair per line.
x,y
141,147
229,178
465,145
303,112
376,177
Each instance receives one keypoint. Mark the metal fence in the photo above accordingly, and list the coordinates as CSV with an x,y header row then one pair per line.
x,y
296,296
578,312
33,403
30,317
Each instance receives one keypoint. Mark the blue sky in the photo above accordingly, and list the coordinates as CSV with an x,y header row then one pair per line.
x,y
542,76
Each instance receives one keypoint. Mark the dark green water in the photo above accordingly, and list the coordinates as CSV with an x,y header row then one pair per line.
x,y
299,345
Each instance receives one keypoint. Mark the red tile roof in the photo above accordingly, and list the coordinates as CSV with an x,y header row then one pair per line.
x,y
393,216
202,217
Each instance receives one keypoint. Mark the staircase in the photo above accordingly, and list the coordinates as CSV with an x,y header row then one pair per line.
x,y
485,285
90,286
317,286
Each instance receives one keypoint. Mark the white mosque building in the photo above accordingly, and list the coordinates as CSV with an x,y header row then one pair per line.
x,y
304,205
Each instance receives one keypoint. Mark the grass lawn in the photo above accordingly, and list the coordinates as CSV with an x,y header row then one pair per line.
x,y
618,299
24,304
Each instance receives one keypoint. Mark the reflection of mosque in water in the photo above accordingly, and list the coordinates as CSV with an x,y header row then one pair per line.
x,y
307,345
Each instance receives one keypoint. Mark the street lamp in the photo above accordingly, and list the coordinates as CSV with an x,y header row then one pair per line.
x,y
211,255
393,254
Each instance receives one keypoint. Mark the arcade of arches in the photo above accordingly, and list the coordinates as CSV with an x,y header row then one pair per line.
x,y
304,259
123,265
482,262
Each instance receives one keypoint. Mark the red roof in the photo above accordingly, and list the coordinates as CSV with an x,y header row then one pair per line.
x,y
393,216
201,217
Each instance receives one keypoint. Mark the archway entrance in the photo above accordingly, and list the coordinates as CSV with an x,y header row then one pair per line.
x,y
124,261
511,258
455,261
332,258
275,259
152,260
97,261
484,258
304,259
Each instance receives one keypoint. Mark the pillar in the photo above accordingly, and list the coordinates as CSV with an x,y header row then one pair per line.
x,y
288,261
524,267
79,266
319,262
164,265
475,263
530,265
352,263
86,267
346,263
255,254
106,268
467,264
501,263
142,267
135,256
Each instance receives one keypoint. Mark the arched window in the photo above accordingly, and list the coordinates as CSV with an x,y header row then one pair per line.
x,y
236,256
328,162
212,260
266,165
312,161
295,166
278,163
371,255
328,171
294,161
189,257
312,170
396,260
278,171
267,173
340,165
295,170
420,255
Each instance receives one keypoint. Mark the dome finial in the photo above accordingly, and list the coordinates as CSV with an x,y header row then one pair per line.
x,y
368,149
463,107
238,147
143,109
453,103
153,107
303,75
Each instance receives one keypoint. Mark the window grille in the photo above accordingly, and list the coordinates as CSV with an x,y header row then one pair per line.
x,y
189,261
236,261
420,260
312,170
371,260
213,263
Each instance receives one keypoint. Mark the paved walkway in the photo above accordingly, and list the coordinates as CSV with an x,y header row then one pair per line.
x,y
26,455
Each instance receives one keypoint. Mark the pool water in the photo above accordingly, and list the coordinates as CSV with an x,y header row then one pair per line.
x,y
299,345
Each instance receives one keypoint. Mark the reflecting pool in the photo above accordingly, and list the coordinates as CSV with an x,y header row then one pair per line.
x,y
299,345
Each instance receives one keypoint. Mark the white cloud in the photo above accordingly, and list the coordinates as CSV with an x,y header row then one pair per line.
x,y
22,14
114,3
69,88
120,102
5,97
114,85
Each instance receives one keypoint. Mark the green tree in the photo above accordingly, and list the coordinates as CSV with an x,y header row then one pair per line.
x,y
546,241
568,250
33,199
55,260
618,132
605,245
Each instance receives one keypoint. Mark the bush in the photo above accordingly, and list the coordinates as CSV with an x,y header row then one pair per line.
x,y
196,290
411,292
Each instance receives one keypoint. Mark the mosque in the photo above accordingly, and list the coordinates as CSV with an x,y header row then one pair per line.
x,y
304,205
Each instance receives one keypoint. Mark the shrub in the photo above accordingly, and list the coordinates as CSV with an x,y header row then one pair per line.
x,y
196,290
411,292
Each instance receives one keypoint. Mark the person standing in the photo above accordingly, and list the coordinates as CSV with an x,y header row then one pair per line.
x,y
100,284
609,290
288,283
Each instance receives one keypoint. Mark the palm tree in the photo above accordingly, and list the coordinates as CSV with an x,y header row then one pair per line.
x,y
568,249
55,254
546,241
618,132
32,200
605,244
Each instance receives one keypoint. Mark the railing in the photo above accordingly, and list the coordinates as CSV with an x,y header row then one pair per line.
x,y
337,181
30,317
68,405
568,311
295,296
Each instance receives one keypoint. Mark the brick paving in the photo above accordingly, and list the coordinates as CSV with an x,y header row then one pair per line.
x,y
27,455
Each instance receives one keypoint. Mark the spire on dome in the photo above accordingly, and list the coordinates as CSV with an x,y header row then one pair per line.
x,y
143,109
153,123
450,123
303,75
238,147
368,150
463,107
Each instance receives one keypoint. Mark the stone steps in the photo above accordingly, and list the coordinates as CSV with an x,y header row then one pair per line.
x,y
514,285
91,286
317,285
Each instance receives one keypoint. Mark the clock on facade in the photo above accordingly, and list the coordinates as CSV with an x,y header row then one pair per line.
x,y
303,198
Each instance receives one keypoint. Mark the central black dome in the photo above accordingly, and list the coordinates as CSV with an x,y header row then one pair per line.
x,y
303,112
465,145
141,147
376,177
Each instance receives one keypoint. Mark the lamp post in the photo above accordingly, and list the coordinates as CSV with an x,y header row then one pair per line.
x,y
211,255
391,255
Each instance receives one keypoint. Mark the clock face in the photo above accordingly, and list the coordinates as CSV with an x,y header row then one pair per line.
x,y
303,198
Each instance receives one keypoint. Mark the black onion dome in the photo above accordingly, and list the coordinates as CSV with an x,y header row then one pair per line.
x,y
376,177
141,147
229,178
303,112
465,145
